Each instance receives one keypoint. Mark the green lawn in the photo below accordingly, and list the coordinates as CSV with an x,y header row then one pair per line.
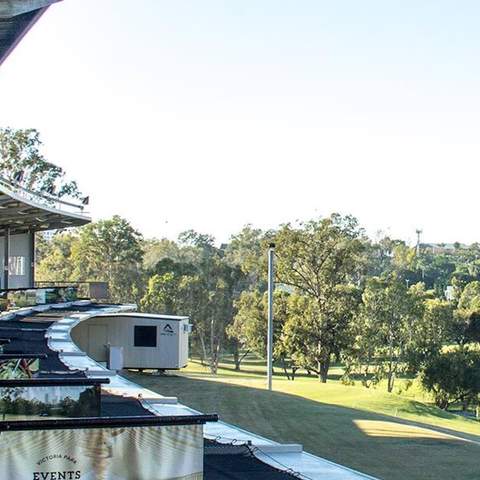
x,y
366,429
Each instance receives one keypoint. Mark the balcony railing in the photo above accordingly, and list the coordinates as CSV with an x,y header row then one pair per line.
x,y
90,290
28,297
41,199
52,292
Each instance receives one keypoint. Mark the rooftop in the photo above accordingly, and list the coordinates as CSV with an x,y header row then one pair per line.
x,y
16,18
23,210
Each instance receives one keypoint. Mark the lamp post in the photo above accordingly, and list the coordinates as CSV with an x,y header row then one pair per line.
x,y
271,286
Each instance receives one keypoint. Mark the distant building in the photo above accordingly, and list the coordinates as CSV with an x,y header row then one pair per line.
x,y
449,293
437,248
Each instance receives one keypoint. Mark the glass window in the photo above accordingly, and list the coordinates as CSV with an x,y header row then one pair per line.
x,y
145,336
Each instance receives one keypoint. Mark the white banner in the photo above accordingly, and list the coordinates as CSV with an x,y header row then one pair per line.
x,y
130,453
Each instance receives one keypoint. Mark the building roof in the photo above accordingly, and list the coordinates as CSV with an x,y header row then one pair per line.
x,y
16,19
155,316
22,210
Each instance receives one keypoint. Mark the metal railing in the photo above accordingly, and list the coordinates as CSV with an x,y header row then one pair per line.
x,y
85,290
40,198
28,297
52,292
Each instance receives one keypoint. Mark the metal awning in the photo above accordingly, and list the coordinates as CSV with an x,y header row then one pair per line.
x,y
22,210
16,19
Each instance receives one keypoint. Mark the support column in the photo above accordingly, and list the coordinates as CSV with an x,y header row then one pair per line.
x,y
6,256
32,258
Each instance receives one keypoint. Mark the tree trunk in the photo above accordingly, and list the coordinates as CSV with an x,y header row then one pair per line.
x,y
236,358
391,373
284,366
324,367
323,364
319,363
203,353
214,359
391,381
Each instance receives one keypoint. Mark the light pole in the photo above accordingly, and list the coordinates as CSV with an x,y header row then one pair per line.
x,y
419,233
271,286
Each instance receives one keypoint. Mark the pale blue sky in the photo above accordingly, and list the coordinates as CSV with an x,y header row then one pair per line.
x,y
211,114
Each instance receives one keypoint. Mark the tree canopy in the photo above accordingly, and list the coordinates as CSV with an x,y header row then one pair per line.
x,y
21,161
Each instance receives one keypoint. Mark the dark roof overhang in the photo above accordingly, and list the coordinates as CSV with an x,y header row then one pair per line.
x,y
22,210
16,19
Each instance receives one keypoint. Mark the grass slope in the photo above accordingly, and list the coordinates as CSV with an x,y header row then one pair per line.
x,y
353,426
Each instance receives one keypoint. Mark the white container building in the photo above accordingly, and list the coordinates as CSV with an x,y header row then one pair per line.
x,y
135,340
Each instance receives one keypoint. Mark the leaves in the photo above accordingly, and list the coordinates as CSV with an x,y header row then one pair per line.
x,y
22,162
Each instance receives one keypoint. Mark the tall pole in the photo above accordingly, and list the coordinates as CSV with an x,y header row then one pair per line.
x,y
271,286
419,232
6,256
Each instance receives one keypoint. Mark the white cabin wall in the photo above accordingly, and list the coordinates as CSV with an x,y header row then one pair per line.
x,y
168,354
183,343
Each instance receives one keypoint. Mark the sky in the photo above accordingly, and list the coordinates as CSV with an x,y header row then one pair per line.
x,y
211,114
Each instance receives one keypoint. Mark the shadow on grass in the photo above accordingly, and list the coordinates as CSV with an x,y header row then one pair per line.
x,y
228,365
344,435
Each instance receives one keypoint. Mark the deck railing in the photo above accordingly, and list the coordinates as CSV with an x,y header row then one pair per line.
x,y
13,298
52,292
92,289
41,198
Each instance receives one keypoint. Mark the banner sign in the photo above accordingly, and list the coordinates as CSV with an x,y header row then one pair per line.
x,y
128,453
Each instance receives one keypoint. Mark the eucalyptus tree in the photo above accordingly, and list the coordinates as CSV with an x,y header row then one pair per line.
x,y
110,250
321,260
388,329
250,327
21,161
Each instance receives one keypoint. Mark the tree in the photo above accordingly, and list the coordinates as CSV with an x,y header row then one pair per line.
x,y
161,295
470,297
308,326
246,251
157,250
452,377
110,250
384,329
54,257
379,256
250,324
193,277
466,327
430,330
320,260
21,161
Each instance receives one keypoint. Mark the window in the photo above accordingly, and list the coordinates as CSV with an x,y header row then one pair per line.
x,y
145,336
16,265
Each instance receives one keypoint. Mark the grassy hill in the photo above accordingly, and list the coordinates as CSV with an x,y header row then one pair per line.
x,y
390,436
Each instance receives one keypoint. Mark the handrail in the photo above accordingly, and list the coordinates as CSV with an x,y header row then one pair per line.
x,y
22,356
25,289
106,422
35,196
53,382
